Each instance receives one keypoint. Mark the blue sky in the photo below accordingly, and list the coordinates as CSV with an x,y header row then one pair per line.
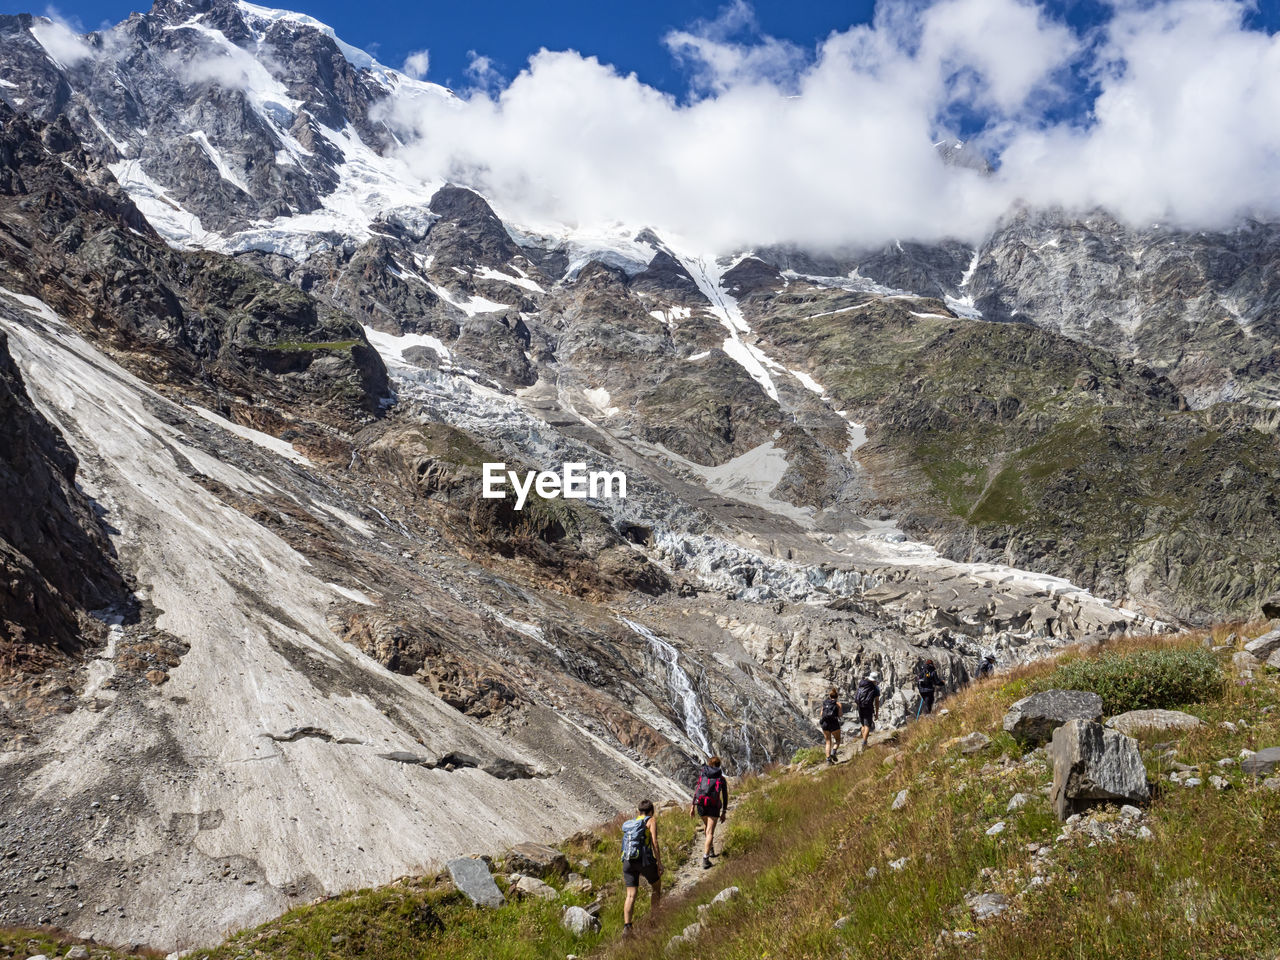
x,y
628,36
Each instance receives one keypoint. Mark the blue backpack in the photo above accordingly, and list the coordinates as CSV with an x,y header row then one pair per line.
x,y
635,838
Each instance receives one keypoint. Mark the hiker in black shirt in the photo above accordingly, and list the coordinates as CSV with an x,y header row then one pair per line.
x,y
710,802
829,722
928,684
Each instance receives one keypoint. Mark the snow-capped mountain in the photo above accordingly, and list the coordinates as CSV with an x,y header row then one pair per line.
x,y
278,359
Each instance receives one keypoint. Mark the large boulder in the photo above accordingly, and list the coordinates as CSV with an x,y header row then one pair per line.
x,y
1032,720
1262,762
1264,646
537,860
1092,765
578,922
471,876
1133,721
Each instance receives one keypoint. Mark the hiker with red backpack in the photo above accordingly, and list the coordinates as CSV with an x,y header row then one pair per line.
x,y
640,858
829,722
710,802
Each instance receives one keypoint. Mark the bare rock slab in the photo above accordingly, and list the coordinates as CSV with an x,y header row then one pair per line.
x,y
472,877
537,860
1133,721
1032,720
1264,646
1092,765
1261,763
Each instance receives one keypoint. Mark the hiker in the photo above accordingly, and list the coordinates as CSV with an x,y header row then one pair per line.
x,y
640,858
867,700
710,802
927,683
830,720
987,667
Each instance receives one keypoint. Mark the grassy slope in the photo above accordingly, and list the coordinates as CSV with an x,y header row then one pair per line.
x,y
800,841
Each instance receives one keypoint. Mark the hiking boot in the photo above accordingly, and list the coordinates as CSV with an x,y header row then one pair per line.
x,y
706,863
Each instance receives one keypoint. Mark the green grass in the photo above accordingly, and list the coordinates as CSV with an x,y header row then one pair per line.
x,y
1143,679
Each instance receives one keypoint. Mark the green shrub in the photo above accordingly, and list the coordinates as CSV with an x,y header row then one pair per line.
x,y
1146,680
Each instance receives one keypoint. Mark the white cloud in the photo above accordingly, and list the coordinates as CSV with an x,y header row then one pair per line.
x,y
416,64
63,44
835,145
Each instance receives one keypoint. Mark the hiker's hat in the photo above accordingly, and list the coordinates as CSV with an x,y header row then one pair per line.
x,y
873,677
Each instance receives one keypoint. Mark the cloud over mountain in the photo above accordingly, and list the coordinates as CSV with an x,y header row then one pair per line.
x,y
1181,123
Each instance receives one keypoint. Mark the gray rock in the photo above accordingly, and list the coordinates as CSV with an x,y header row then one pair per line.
x,y
900,800
725,895
996,829
1192,782
1245,661
577,883
1135,720
842,923
537,860
1017,802
1264,646
577,921
872,873
1262,762
472,877
974,743
1271,606
1272,783
78,953
1130,812
533,887
1033,720
1092,764
1273,661
1219,783
987,906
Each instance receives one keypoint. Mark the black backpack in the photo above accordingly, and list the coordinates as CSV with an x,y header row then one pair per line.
x,y
830,708
867,693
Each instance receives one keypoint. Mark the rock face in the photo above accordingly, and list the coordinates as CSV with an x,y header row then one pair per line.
x,y
472,877
1271,607
1262,763
537,860
1091,765
55,560
1135,720
1033,720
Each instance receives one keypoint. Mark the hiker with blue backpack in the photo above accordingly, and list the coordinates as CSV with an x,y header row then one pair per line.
x,y
867,700
710,802
640,858
829,722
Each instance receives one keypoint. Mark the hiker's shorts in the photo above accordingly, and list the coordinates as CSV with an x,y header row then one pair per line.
x,y
708,809
866,718
633,870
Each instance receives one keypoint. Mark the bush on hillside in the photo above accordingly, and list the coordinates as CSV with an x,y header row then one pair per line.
x,y
1145,680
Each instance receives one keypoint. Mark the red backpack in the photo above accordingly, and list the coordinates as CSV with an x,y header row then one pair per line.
x,y
709,788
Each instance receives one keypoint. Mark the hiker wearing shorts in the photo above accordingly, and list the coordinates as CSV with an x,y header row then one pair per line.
x,y
710,802
641,857
829,722
867,700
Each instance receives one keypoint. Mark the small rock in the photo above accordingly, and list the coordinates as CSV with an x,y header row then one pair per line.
x,y
974,743
872,873
1219,783
1245,661
78,953
987,906
1271,783
725,895
1130,812
1017,802
1228,726
472,877
577,883
1192,782
537,860
578,922
842,923
1226,762
898,864
1144,833
995,829
1264,761
533,887
900,800
157,677
1136,720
